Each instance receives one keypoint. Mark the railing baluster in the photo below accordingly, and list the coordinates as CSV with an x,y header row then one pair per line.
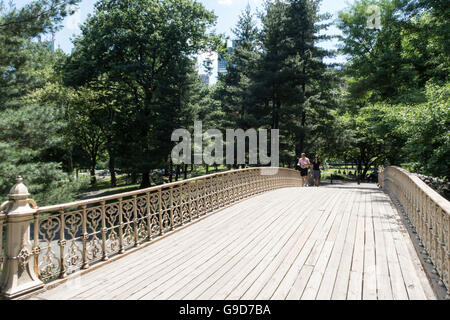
x,y
181,204
104,231
135,222
171,208
160,212
149,217
36,250
190,200
84,239
62,244
121,247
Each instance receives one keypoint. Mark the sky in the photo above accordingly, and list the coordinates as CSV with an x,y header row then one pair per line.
x,y
227,12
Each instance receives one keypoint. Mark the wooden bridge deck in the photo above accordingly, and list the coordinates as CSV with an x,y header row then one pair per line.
x,y
334,242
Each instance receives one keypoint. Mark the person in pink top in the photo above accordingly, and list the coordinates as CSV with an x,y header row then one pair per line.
x,y
304,164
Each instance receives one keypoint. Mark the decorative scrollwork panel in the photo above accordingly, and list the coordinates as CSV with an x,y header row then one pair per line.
x,y
49,260
73,250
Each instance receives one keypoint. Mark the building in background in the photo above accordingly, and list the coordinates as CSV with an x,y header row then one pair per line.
x,y
47,41
204,78
222,62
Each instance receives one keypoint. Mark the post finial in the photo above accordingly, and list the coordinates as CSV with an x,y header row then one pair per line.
x,y
19,190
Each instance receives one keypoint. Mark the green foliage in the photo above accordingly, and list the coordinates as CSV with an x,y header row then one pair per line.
x,y
30,140
426,127
19,56
394,61
277,78
145,47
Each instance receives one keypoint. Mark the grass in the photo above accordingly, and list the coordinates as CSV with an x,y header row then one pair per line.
x,y
124,184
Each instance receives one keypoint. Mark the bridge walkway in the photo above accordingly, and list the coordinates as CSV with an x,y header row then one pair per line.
x,y
332,242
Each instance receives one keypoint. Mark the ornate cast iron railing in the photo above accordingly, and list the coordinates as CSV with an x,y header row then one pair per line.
x,y
428,212
69,237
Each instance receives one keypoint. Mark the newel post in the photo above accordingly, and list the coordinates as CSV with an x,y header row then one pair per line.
x,y
18,276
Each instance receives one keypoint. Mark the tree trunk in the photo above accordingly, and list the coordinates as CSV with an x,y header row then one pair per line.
x,y
359,171
92,172
366,168
170,171
70,163
207,168
134,178
185,168
177,173
145,182
112,169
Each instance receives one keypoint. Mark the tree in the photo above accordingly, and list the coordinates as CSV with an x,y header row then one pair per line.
x,y
393,62
425,128
147,53
292,81
31,132
18,52
235,90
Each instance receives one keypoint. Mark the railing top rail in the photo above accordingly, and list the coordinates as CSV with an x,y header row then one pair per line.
x,y
432,194
147,190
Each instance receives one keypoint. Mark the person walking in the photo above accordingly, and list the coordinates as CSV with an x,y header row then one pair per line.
x,y
303,163
316,170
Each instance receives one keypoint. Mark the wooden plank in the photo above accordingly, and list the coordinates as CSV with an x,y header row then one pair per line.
x,y
317,217
227,281
276,280
384,289
208,289
340,226
395,274
254,291
312,287
355,280
200,260
370,274
340,258
300,283
409,271
149,278
193,285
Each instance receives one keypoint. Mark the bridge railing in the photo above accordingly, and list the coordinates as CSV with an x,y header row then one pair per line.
x,y
428,212
63,239
2,233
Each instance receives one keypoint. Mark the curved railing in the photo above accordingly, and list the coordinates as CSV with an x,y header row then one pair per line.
x,y
73,236
427,210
